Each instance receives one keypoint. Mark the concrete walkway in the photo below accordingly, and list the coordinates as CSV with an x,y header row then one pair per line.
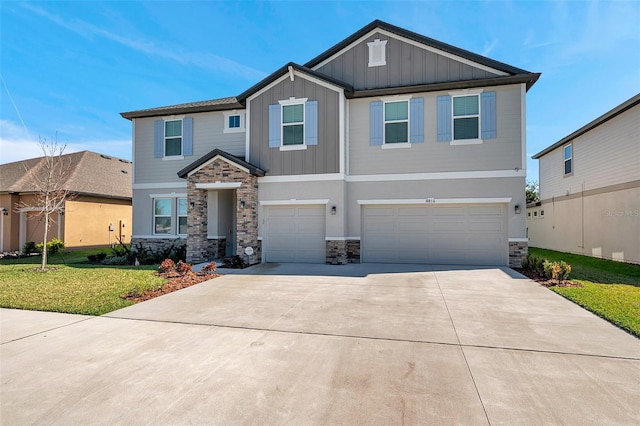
x,y
322,344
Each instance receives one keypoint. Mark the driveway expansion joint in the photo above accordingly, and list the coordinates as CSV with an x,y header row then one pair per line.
x,y
46,331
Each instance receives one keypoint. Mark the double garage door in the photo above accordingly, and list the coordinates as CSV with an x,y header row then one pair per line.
x,y
436,234
443,234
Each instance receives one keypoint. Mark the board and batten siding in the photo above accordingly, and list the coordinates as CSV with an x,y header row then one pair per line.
x,y
320,158
208,128
606,155
407,65
501,153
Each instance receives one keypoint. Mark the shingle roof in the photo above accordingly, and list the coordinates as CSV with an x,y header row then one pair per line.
x,y
200,106
90,174
635,100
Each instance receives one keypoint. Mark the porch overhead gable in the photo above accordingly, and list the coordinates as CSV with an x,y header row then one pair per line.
x,y
224,156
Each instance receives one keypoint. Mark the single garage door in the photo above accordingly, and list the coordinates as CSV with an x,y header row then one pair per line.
x,y
443,234
294,234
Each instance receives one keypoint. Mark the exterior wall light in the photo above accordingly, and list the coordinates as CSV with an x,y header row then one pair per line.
x,y
333,210
5,212
242,204
517,209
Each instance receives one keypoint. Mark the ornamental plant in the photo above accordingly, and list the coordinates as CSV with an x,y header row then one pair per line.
x,y
209,268
167,265
183,268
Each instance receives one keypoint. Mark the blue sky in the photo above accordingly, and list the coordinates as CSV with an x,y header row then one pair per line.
x,y
69,68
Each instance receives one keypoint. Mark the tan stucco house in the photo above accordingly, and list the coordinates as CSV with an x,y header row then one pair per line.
x,y
590,189
388,147
98,214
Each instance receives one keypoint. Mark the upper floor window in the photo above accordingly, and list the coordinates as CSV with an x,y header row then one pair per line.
x,y
233,122
293,124
396,122
466,117
172,138
377,53
568,159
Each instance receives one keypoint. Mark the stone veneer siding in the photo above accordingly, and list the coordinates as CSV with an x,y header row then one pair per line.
x,y
517,251
343,252
198,246
155,245
353,251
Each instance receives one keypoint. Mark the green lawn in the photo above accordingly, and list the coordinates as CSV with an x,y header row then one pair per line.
x,y
610,289
74,287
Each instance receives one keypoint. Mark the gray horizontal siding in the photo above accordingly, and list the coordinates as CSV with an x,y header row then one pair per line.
x,y
406,65
321,158
502,153
207,134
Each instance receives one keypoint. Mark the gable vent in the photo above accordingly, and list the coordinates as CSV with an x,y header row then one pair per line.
x,y
377,53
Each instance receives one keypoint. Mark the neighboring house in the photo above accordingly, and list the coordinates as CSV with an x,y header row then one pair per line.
x,y
590,189
98,214
388,147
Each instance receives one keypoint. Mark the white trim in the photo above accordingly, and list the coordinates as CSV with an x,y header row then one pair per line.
x,y
247,136
342,239
413,43
297,147
291,75
226,115
216,237
292,202
501,200
285,76
160,185
219,185
396,98
302,178
214,159
523,124
171,195
437,176
466,142
380,45
518,240
345,156
173,157
162,236
293,101
133,152
173,117
30,209
395,145
341,131
466,92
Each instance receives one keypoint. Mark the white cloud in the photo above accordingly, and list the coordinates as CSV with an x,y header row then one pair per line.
x,y
489,48
207,60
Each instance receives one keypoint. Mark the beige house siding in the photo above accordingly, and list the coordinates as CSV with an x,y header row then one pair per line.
x,y
208,133
603,225
87,222
607,155
502,153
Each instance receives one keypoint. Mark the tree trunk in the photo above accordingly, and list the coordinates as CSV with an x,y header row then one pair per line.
x,y
44,248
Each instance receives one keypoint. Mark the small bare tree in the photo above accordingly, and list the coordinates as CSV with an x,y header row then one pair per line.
x,y
48,179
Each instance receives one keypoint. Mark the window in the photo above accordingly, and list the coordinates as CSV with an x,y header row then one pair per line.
x,y
377,53
162,216
182,216
541,212
293,124
568,159
535,214
233,121
466,117
528,214
173,137
396,122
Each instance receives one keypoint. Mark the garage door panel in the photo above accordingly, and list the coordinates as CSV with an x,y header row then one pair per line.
x,y
435,234
294,234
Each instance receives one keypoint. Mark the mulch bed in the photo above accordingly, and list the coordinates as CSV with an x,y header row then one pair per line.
x,y
175,282
547,282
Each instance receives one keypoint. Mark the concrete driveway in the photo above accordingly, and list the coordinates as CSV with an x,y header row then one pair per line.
x,y
321,344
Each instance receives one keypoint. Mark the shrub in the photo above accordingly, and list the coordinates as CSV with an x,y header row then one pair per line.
x,y
209,268
117,260
167,265
54,246
29,247
98,257
183,268
120,250
235,262
558,271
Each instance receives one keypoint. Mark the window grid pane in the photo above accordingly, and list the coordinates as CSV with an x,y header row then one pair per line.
x,y
163,207
465,128
465,105
293,113
172,128
396,133
567,152
293,135
173,146
182,225
567,167
182,206
234,121
163,225
396,111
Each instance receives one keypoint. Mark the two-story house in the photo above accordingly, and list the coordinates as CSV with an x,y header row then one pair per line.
x,y
388,147
590,189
